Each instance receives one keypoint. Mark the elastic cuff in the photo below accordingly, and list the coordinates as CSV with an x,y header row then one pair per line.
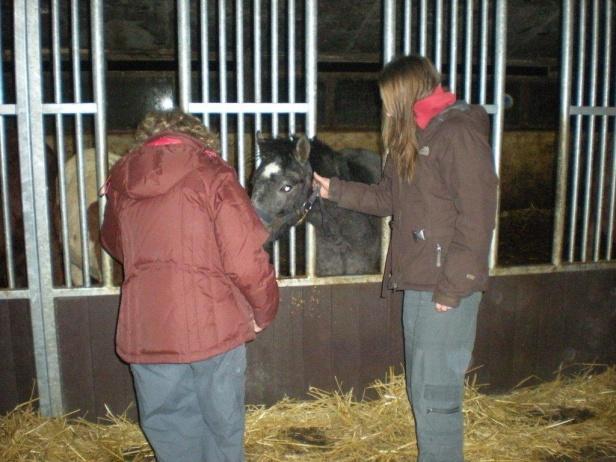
x,y
447,300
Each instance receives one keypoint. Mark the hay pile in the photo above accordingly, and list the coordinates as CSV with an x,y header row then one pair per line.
x,y
569,419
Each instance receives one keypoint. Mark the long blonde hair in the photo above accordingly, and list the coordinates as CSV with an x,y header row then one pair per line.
x,y
402,82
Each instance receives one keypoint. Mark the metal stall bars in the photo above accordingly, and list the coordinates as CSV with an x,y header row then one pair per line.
x,y
217,106
32,106
454,46
586,163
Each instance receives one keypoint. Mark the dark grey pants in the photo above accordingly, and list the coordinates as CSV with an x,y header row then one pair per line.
x,y
438,348
194,412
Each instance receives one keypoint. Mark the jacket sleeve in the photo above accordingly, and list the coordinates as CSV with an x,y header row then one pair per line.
x,y
240,236
111,238
373,199
467,169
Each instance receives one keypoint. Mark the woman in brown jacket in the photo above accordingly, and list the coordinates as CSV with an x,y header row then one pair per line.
x,y
439,187
197,286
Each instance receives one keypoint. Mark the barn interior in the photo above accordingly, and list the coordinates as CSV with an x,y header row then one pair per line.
x,y
335,334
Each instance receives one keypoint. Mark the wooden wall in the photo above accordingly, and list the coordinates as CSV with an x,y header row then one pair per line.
x,y
528,325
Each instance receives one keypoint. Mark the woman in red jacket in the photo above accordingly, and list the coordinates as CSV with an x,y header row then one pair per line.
x,y
197,286
439,187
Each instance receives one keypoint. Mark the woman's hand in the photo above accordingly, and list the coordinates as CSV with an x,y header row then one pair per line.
x,y
322,183
256,328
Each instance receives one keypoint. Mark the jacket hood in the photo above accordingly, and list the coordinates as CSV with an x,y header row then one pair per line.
x,y
158,165
473,114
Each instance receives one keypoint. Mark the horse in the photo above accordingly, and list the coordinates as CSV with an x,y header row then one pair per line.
x,y
347,242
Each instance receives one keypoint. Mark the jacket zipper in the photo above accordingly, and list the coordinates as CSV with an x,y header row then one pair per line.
x,y
433,410
439,251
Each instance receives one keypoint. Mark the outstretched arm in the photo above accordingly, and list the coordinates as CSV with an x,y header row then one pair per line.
x,y
373,199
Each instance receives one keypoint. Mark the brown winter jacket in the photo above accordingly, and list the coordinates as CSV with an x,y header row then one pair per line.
x,y
195,272
442,220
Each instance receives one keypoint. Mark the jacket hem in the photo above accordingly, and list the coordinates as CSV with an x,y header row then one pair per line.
x,y
154,358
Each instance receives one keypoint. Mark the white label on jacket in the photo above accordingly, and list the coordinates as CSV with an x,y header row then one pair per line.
x,y
425,151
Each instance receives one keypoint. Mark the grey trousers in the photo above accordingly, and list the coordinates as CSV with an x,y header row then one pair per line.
x,y
194,412
438,348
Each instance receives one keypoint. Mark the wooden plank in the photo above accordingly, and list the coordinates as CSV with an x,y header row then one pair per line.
x,y
551,305
493,354
317,340
111,376
373,336
23,350
261,386
529,303
288,366
75,355
345,337
9,396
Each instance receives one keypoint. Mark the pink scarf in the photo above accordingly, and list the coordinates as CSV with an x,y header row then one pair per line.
x,y
425,109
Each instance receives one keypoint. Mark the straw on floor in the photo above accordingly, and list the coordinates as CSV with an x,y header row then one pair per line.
x,y
568,419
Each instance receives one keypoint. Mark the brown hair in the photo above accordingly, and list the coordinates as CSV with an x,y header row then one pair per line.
x,y
176,121
402,82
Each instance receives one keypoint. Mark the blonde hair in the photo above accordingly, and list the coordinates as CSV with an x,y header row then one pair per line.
x,y
402,82
176,121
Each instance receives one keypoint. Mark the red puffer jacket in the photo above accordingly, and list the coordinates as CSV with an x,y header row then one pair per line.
x,y
195,272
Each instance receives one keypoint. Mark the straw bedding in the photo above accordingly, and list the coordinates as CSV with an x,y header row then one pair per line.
x,y
568,419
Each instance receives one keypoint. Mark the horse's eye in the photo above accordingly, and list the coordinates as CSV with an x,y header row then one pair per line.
x,y
286,188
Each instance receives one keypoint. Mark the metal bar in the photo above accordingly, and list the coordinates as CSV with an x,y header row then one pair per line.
x,y
389,30
580,74
81,164
590,136
239,79
6,204
438,34
468,52
4,178
100,118
257,71
500,52
483,51
36,219
274,62
77,108
563,133
205,58
407,27
423,27
184,48
15,294
605,101
505,271
612,198
311,117
7,109
60,146
593,110
291,83
250,108
222,76
453,47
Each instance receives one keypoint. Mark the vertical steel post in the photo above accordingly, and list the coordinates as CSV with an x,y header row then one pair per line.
x,y
205,58
311,116
291,83
100,118
239,81
566,54
184,54
222,76
36,219
500,69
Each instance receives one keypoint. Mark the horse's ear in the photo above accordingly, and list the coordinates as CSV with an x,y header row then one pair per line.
x,y
302,149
